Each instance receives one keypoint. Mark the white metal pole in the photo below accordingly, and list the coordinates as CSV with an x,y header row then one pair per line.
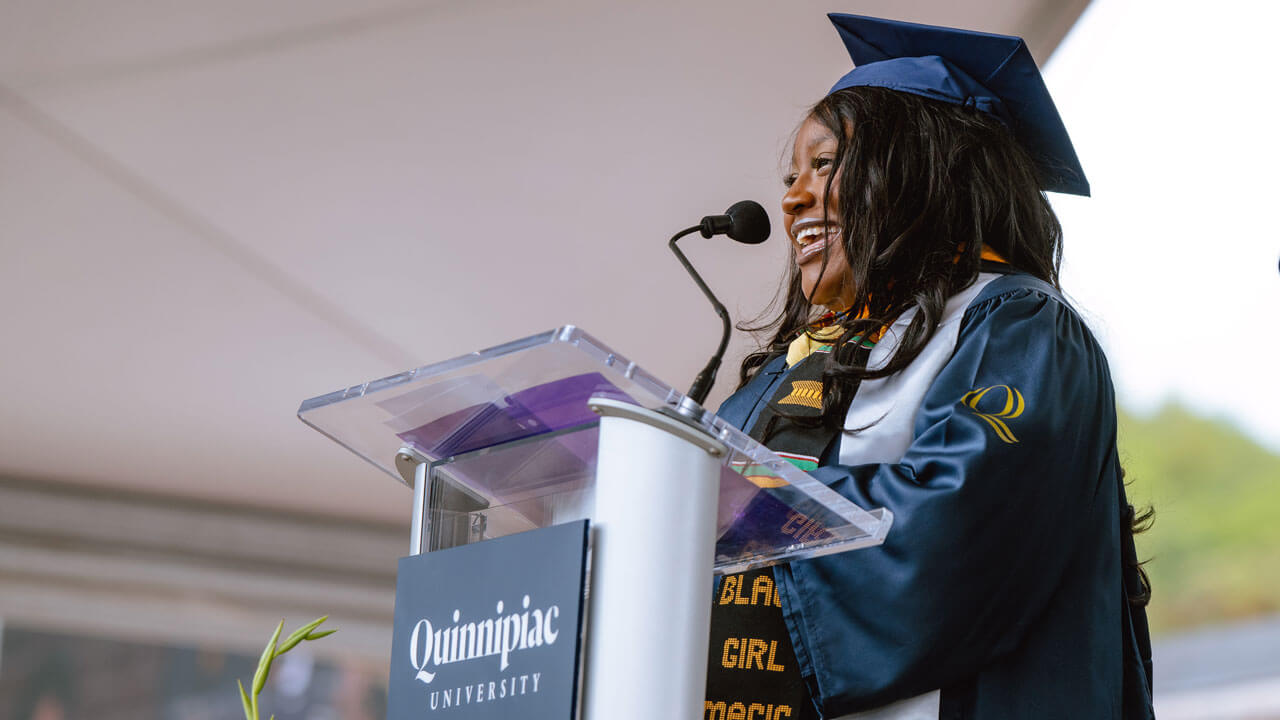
x,y
417,529
657,487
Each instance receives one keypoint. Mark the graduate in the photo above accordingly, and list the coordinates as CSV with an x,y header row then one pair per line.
x,y
958,389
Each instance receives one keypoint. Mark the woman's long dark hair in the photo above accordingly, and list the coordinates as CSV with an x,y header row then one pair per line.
x,y
922,186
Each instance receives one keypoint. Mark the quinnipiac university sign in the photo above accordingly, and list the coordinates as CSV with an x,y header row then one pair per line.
x,y
491,629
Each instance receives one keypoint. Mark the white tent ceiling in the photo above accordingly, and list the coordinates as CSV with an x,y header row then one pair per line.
x,y
211,211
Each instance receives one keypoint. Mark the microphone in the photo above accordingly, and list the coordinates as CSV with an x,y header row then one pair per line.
x,y
747,222
744,221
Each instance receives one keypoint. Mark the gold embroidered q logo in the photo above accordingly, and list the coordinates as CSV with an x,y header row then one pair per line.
x,y
1013,407
804,392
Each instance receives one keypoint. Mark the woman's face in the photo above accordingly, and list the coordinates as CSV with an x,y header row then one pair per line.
x,y
811,229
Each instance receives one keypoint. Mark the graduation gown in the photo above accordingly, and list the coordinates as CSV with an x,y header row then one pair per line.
x,y
998,592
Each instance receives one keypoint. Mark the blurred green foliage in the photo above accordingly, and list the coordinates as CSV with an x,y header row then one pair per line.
x,y
1214,548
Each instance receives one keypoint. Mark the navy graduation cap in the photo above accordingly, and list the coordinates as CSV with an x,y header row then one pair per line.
x,y
992,73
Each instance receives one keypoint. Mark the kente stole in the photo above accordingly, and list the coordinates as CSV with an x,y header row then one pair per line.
x,y
751,667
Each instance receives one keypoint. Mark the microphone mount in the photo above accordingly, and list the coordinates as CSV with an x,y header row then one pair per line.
x,y
748,223
705,379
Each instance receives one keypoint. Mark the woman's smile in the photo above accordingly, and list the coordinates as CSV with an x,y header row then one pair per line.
x,y
811,238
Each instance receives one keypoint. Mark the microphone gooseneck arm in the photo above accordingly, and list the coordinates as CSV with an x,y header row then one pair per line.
x,y
705,379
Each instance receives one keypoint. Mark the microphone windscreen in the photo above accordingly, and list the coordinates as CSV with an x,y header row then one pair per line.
x,y
750,223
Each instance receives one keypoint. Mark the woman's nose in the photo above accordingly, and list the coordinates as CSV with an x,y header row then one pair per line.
x,y
797,198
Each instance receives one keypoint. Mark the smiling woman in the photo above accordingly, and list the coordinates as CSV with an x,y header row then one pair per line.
x,y
959,390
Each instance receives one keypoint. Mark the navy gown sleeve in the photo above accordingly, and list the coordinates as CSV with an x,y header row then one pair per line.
x,y
995,495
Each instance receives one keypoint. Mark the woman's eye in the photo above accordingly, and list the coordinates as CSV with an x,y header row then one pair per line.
x,y
821,162
789,180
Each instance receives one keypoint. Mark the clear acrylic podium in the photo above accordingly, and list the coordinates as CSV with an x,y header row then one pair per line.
x,y
557,427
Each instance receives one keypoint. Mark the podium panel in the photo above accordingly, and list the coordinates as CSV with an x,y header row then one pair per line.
x,y
505,440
